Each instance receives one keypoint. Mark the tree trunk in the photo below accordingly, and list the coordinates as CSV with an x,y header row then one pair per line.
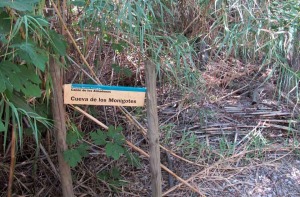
x,y
153,133
58,110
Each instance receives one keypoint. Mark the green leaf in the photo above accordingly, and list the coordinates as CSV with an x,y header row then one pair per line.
x,y
28,73
72,157
116,68
32,54
58,42
114,150
2,83
20,103
115,173
79,3
127,72
115,135
104,175
5,23
118,47
99,137
83,149
106,38
31,89
72,138
9,75
19,5
20,78
2,127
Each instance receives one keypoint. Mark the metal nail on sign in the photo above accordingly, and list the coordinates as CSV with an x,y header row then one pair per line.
x,y
87,94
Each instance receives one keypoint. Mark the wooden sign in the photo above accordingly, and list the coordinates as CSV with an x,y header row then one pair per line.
x,y
87,94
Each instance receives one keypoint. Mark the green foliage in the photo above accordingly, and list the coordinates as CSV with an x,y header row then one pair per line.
x,y
122,70
73,135
72,157
144,27
19,78
265,33
26,42
78,149
113,141
19,5
119,47
75,155
31,54
2,127
98,137
114,150
13,109
112,178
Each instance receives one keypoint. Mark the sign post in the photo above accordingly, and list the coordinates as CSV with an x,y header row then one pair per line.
x,y
87,94
153,131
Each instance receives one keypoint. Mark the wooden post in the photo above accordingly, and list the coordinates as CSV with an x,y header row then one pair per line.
x,y
58,110
153,131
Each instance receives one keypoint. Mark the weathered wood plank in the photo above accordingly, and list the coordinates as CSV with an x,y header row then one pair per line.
x,y
153,131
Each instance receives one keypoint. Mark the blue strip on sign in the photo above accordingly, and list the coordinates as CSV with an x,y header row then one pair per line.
x,y
103,87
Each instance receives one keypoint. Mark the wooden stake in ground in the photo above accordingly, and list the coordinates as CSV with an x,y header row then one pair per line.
x,y
12,161
60,128
152,133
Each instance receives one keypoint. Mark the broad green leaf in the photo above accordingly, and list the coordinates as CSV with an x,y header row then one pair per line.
x,y
38,22
115,173
5,23
20,78
79,3
9,74
19,5
32,54
114,150
115,135
83,149
2,127
58,42
104,175
116,67
31,89
72,138
72,157
127,72
29,73
20,103
2,83
99,137
118,47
